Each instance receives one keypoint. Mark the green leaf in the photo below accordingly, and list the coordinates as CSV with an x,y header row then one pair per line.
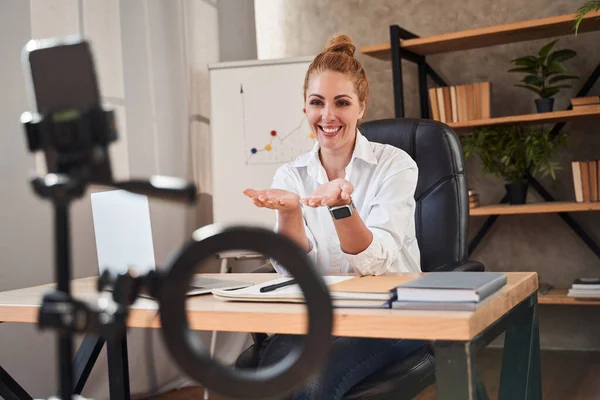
x,y
528,61
548,92
562,78
532,88
529,70
561,55
533,80
555,68
543,53
589,6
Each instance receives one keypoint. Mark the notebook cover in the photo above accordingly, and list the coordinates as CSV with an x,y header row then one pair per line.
x,y
372,284
483,283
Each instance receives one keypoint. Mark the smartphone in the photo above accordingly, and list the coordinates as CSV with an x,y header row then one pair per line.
x,y
61,81
61,75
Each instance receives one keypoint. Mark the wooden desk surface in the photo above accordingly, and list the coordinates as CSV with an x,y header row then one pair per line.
x,y
207,313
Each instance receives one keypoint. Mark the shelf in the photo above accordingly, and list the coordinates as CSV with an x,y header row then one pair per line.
x,y
559,296
534,208
540,118
490,36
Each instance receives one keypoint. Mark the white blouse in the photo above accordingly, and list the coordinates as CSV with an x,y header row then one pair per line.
x,y
384,179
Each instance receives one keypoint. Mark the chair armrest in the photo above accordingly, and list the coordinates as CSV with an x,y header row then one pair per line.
x,y
474,266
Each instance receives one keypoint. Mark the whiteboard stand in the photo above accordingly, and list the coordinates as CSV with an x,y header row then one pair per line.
x,y
225,269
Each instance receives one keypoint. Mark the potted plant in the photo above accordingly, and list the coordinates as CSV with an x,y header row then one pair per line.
x,y
514,153
543,74
587,7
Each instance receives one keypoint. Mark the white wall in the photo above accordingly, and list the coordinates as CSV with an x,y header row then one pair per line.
x,y
151,58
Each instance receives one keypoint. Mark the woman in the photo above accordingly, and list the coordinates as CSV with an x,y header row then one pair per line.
x,y
349,203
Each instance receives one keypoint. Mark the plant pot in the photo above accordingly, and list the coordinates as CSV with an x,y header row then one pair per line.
x,y
517,192
544,105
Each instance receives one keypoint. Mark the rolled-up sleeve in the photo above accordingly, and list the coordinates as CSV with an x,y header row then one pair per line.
x,y
286,179
390,216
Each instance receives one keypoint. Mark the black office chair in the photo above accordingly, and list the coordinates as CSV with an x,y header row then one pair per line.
x,y
441,217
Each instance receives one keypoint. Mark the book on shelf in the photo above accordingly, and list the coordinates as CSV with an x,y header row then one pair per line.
x,y
586,180
585,288
460,103
577,102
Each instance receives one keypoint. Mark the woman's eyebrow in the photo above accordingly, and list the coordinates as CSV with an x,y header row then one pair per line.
x,y
336,97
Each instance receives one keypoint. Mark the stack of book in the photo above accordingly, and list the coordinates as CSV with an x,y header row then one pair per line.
x,y
585,288
458,291
583,103
461,291
586,180
460,103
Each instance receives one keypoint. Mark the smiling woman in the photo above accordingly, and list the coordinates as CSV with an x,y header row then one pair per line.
x,y
349,203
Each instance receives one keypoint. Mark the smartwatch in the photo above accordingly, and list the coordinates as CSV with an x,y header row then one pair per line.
x,y
340,212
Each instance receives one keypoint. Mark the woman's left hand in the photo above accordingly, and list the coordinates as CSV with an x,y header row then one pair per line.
x,y
333,193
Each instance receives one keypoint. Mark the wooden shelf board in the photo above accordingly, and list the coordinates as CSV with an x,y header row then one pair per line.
x,y
534,208
559,296
490,36
540,118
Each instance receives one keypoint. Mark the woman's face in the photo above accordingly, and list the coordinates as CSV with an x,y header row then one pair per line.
x,y
333,109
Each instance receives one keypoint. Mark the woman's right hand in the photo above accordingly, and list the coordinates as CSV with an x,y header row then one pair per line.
x,y
275,199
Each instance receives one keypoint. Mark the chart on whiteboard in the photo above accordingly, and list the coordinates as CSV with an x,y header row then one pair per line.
x,y
279,138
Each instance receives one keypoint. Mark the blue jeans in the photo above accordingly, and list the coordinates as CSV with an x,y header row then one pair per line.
x,y
350,361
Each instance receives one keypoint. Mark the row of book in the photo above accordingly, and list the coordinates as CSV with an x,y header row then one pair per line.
x,y
460,103
581,103
585,288
586,180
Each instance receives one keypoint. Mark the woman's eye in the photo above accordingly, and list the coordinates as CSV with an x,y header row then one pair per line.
x,y
316,103
343,104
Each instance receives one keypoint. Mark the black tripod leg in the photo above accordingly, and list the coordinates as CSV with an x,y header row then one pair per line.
x,y
118,368
85,359
10,389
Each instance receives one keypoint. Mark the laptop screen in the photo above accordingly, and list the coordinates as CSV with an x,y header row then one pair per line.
x,y
123,231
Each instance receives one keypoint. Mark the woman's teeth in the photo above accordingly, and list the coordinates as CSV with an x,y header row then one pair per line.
x,y
333,130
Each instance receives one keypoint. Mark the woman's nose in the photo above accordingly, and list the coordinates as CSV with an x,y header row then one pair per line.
x,y
327,114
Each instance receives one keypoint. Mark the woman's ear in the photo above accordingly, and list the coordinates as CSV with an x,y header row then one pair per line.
x,y
363,106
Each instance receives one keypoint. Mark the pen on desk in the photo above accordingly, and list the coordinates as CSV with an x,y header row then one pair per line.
x,y
270,288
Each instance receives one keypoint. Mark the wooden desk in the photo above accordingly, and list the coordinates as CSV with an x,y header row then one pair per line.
x,y
456,335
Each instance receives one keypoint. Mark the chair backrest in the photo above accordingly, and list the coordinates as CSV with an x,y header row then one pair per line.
x,y
442,212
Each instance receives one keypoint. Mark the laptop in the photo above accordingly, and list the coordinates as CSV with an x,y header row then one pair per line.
x,y
123,232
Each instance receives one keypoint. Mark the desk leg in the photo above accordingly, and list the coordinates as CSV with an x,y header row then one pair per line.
x,y
521,370
118,368
455,371
85,359
10,389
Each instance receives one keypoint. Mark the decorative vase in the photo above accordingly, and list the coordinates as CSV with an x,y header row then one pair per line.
x,y
544,105
517,192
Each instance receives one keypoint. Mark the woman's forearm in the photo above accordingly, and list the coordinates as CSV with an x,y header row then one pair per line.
x,y
291,224
353,234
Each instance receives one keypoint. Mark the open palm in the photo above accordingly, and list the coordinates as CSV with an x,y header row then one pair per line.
x,y
332,193
275,199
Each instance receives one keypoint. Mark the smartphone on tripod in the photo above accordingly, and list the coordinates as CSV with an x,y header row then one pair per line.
x,y
62,87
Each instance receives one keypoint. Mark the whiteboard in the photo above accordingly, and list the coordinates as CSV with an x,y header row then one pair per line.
x,y
257,124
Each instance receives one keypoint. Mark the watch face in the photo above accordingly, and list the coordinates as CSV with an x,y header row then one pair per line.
x,y
343,212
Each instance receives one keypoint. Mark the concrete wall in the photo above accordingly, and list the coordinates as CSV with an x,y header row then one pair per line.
x,y
237,30
541,243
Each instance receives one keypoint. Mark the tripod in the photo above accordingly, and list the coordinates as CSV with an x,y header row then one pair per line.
x,y
74,133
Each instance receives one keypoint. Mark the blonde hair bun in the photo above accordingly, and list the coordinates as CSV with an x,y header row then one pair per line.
x,y
340,44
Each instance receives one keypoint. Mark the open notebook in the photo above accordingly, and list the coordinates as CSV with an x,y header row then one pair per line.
x,y
374,289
